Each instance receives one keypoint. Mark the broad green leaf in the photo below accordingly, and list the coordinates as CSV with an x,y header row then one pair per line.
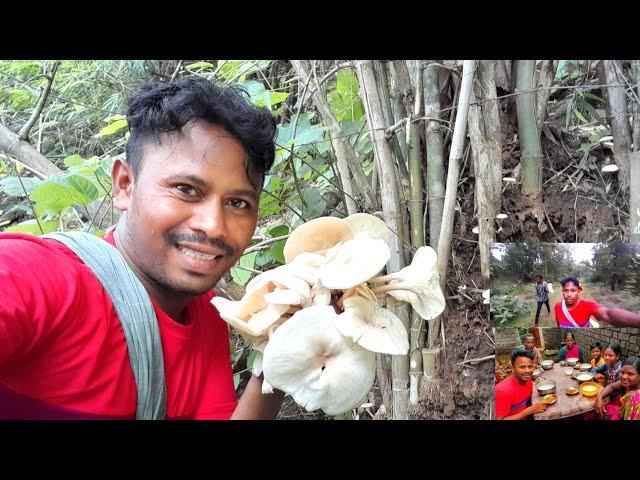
x,y
315,205
236,380
277,97
81,185
240,276
112,128
114,118
73,161
11,185
53,198
279,230
31,226
275,251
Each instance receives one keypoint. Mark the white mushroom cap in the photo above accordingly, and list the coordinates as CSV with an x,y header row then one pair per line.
x,y
475,230
610,168
373,327
258,348
354,262
316,235
417,284
309,359
508,179
364,223
502,216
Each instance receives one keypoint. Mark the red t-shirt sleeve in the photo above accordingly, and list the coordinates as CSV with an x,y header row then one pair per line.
x,y
27,297
502,399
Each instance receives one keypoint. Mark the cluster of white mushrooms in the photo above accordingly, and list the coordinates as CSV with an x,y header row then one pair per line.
x,y
316,322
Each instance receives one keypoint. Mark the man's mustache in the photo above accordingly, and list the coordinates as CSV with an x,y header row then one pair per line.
x,y
202,239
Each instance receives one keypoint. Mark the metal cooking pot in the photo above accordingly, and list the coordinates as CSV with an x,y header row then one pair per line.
x,y
585,367
572,362
547,364
537,372
546,387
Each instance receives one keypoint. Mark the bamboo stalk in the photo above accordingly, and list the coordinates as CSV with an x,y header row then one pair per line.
x,y
392,215
530,148
455,155
634,163
435,155
545,78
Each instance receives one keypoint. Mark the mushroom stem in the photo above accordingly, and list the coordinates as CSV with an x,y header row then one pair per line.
x,y
382,278
387,288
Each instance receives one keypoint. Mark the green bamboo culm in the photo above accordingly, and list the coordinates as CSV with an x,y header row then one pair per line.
x,y
528,134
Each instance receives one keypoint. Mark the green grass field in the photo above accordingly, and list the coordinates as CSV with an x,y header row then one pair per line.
x,y
595,292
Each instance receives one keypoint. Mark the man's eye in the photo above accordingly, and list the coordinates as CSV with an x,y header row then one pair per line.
x,y
238,203
188,190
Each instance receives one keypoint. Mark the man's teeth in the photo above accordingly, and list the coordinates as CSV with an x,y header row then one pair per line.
x,y
200,256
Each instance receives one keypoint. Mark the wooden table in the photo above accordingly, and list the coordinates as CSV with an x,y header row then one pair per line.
x,y
566,405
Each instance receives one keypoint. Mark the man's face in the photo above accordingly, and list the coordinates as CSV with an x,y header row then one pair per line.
x,y
570,293
596,354
191,211
629,376
570,341
529,343
538,279
523,369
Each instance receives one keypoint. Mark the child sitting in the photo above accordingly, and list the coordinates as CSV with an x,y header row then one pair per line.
x,y
628,386
596,355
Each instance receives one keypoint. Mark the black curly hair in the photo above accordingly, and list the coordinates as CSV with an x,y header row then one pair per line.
x,y
160,108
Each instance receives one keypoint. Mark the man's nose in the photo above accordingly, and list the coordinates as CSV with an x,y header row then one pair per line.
x,y
210,219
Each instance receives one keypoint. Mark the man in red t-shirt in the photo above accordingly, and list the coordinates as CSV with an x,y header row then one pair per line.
x,y
574,312
189,192
514,392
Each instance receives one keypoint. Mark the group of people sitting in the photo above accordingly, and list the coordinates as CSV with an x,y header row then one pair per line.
x,y
575,312
619,400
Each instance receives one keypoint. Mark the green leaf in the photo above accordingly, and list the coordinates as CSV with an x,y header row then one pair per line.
x,y
200,66
252,358
31,226
53,198
278,230
112,128
276,252
242,277
11,185
236,380
580,116
73,161
315,205
81,185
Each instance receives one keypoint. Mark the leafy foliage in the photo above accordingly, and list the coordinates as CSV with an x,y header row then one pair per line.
x,y
504,309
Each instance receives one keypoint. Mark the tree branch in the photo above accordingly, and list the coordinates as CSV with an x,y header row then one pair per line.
x,y
23,134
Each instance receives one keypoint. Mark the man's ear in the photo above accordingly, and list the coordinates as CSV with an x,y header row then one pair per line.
x,y
122,185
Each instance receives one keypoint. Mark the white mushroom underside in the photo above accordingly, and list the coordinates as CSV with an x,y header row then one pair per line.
x,y
373,327
309,359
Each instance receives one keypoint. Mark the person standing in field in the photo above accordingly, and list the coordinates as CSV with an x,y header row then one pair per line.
x,y
542,296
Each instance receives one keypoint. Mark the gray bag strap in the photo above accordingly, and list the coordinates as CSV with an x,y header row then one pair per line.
x,y
137,317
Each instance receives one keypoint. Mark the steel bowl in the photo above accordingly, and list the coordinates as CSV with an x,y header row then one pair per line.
x,y
567,370
563,363
537,372
572,362
549,399
585,367
546,387
584,377
547,364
